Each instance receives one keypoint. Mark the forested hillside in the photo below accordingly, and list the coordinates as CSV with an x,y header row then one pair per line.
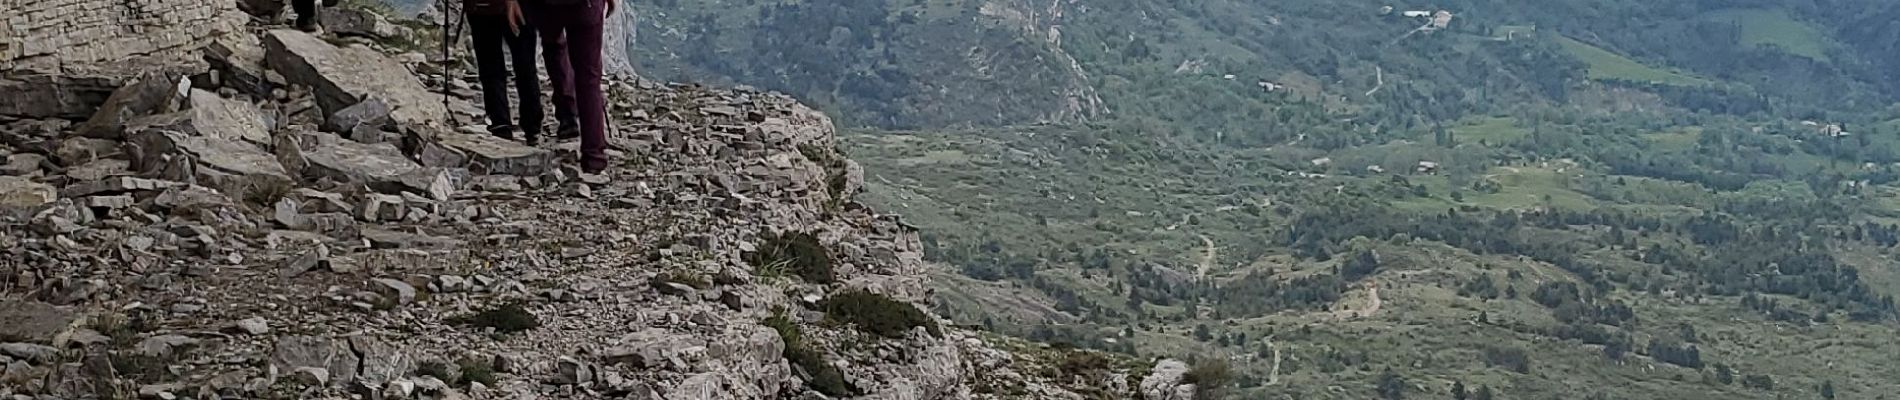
x,y
1357,199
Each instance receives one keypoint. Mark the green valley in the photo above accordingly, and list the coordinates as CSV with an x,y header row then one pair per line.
x,y
1350,200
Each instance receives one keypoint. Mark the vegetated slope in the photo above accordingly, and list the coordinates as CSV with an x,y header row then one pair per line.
x,y
1607,198
1542,277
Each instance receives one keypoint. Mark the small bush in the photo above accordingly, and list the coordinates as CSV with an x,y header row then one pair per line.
x,y
508,318
1209,377
1090,366
825,378
878,314
474,370
797,253
1511,358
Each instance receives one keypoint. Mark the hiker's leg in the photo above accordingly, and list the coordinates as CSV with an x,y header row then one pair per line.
x,y
490,34
306,13
584,40
551,24
521,47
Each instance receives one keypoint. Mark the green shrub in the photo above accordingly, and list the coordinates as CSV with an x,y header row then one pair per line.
x,y
1209,377
797,253
825,378
1089,365
878,314
474,370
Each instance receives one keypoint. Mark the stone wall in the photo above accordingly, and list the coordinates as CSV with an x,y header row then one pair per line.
x,y
56,34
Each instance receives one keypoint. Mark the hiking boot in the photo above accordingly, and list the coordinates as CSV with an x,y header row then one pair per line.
x,y
309,24
502,131
568,131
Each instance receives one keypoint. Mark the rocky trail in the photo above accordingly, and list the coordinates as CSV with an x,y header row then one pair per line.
x,y
278,215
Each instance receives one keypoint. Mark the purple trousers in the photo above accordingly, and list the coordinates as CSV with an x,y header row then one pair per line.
x,y
571,44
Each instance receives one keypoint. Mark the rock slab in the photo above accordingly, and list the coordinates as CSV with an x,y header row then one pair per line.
x,y
344,76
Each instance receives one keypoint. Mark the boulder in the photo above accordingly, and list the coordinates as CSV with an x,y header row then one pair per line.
x,y
37,94
213,117
380,166
216,117
19,192
380,207
32,321
334,356
381,361
234,167
240,62
370,114
345,76
75,151
23,165
1162,383
481,154
345,21
150,93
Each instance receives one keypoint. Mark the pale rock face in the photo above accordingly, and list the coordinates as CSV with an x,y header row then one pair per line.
x,y
1164,383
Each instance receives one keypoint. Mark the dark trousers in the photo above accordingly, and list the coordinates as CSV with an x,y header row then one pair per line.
x,y
571,40
306,9
491,35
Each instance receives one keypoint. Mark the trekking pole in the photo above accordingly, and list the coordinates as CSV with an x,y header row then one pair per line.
x,y
451,33
449,117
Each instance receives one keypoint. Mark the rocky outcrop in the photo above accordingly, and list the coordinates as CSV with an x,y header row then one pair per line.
x,y
1166,382
57,35
213,241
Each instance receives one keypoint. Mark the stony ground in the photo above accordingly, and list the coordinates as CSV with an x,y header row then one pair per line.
x,y
297,219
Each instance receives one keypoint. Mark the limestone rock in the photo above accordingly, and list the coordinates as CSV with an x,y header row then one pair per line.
x,y
253,326
381,166
81,150
150,93
217,117
351,21
23,165
239,61
233,167
115,185
342,77
100,170
381,361
165,346
482,154
55,95
18,192
32,321
1162,382
30,352
311,376
655,349
380,207
334,356
370,113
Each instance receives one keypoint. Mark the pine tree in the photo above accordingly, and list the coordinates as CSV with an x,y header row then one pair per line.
x,y
1458,391
1484,393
